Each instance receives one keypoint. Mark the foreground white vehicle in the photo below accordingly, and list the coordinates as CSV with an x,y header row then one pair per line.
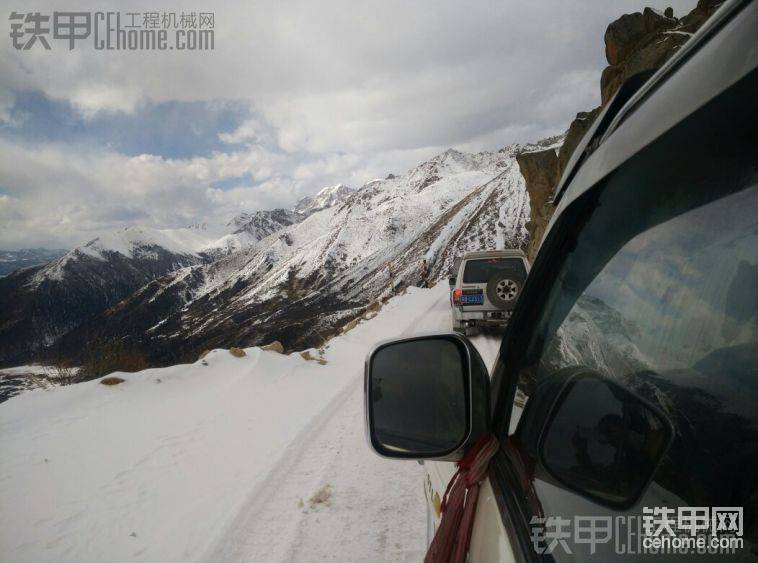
x,y
626,382
485,287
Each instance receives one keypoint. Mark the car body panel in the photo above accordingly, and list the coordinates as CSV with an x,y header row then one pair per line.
x,y
489,540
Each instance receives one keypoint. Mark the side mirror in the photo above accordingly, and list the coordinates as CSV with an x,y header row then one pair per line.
x,y
426,397
451,281
603,441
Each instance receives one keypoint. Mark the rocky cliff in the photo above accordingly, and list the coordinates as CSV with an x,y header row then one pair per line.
x,y
540,170
634,43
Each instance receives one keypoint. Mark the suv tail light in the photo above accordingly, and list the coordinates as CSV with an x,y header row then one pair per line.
x,y
457,296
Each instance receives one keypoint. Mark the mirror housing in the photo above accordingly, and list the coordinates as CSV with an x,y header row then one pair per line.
x,y
451,280
426,397
600,439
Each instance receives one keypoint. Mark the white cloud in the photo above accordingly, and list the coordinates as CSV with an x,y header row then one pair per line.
x,y
249,131
342,91
61,196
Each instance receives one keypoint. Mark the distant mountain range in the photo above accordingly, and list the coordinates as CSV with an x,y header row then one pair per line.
x,y
299,275
66,288
296,276
12,260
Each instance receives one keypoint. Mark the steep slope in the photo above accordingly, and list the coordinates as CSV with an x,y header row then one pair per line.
x,y
247,229
39,304
250,228
301,283
324,199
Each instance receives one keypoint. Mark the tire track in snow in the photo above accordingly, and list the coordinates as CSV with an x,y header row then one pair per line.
x,y
375,508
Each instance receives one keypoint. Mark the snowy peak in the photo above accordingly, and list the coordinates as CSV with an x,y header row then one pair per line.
x,y
158,250
319,271
262,223
327,197
140,242
293,275
250,228
453,162
69,291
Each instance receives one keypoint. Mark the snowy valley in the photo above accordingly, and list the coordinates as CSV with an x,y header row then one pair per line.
x,y
293,276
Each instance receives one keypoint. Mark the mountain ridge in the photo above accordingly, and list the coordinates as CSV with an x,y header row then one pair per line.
x,y
276,275
302,283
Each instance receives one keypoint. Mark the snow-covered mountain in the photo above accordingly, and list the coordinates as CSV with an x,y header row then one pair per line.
x,y
12,260
324,199
249,228
155,250
294,276
39,304
300,283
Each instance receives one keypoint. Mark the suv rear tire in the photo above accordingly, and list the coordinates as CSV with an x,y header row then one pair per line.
x,y
503,290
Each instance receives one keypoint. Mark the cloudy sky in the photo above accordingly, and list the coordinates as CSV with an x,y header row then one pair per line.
x,y
295,96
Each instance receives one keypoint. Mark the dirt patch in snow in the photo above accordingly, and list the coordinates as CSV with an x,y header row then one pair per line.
x,y
111,380
237,352
274,346
309,358
322,497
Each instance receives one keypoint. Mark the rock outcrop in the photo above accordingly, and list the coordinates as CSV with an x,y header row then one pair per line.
x,y
638,42
540,170
634,43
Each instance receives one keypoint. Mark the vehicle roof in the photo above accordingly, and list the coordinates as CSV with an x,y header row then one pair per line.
x,y
717,56
506,253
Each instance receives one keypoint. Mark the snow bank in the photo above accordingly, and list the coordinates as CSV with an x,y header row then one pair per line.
x,y
157,467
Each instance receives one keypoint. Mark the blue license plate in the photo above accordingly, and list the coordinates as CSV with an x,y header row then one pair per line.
x,y
472,299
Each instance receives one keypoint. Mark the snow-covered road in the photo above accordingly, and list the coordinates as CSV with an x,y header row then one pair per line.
x,y
329,498
260,458
374,509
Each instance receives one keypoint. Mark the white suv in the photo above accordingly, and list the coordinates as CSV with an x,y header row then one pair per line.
x,y
485,287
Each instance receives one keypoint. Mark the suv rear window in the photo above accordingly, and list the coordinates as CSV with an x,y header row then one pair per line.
x,y
480,271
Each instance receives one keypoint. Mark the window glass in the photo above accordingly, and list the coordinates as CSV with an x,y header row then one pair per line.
x,y
480,271
672,315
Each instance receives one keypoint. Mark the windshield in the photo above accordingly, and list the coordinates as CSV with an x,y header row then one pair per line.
x,y
480,271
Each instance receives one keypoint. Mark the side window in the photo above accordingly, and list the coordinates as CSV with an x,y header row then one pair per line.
x,y
659,297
